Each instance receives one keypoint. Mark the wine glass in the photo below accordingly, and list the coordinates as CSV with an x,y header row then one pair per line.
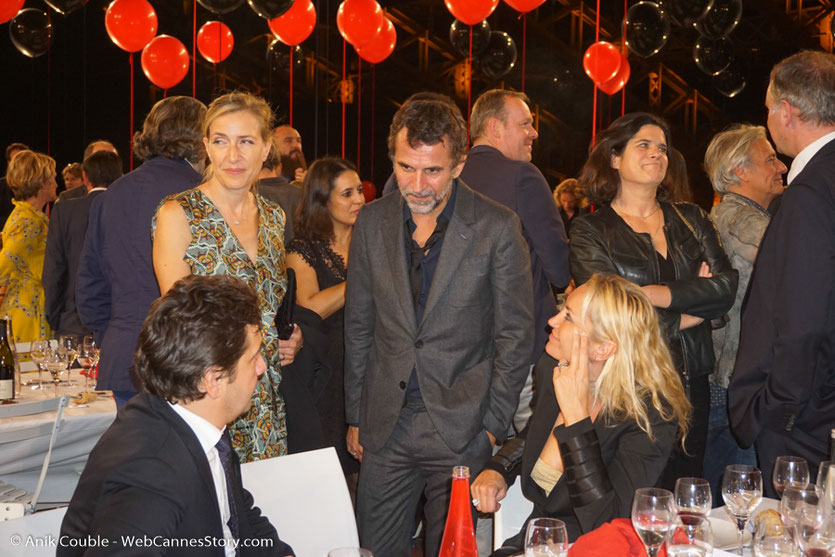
x,y
88,357
773,539
693,500
546,537
790,470
653,516
823,472
37,352
68,347
792,498
55,363
742,490
690,540
814,529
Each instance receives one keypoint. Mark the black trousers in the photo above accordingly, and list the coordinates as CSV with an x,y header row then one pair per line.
x,y
691,462
414,460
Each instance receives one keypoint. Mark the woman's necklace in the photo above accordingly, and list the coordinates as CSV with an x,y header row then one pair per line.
x,y
625,214
237,221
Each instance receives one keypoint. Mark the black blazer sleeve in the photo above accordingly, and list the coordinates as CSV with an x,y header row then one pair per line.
x,y
55,267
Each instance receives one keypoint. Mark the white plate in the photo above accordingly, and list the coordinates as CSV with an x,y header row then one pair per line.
x,y
725,534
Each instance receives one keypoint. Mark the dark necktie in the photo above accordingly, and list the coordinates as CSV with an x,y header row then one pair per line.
x,y
224,450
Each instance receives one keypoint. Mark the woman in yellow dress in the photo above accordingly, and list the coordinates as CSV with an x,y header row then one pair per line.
x,y
31,177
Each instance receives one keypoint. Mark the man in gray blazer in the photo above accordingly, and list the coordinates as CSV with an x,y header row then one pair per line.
x,y
438,330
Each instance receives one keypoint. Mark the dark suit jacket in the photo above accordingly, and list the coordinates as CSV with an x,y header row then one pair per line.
x,y
76,193
116,281
784,377
605,462
6,205
67,229
149,476
520,186
287,196
472,345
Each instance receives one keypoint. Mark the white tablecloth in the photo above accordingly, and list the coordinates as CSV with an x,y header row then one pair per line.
x,y
21,462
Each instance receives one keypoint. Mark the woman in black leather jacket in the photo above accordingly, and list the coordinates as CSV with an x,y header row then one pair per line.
x,y
606,415
671,250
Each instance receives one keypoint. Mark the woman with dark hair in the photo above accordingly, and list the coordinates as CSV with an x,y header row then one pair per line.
x,y
331,200
670,249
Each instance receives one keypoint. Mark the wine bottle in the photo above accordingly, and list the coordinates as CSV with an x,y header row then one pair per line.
x,y
459,534
7,364
832,444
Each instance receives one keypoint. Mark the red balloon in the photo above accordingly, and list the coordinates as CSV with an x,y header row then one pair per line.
x,y
471,12
369,191
295,25
215,41
165,61
602,61
524,6
131,24
359,21
616,83
9,9
381,46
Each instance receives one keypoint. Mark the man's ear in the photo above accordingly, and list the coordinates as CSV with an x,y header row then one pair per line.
x,y
87,183
213,382
741,172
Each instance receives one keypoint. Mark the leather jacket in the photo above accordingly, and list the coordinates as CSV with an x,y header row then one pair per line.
x,y
602,242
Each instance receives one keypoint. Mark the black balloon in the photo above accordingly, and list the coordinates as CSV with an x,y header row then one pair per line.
x,y
499,57
686,12
31,32
64,7
270,9
713,55
730,82
647,28
722,18
459,36
278,57
221,6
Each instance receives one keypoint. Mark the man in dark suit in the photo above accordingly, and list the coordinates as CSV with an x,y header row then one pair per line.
x,y
275,187
92,147
67,229
164,473
498,166
116,281
782,391
438,330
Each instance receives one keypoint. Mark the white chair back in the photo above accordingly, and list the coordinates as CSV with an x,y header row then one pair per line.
x,y
306,498
34,535
510,518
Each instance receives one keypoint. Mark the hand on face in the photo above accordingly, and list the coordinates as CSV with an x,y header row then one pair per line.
x,y
571,382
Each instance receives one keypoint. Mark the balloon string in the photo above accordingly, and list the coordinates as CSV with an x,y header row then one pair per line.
x,y
524,45
359,110
469,82
373,100
342,92
219,45
623,50
194,53
291,87
48,100
596,72
130,58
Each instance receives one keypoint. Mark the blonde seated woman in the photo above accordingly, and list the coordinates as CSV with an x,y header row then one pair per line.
x,y
608,408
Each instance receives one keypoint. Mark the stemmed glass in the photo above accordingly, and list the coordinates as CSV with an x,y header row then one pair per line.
x,y
742,490
689,540
814,529
790,470
653,516
37,352
88,358
546,537
693,500
773,539
55,363
68,347
823,472
793,497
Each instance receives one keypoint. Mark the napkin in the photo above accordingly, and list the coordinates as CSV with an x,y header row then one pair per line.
x,y
613,539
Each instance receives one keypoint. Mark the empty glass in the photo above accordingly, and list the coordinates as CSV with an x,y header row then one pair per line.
x,y
653,516
56,364
790,470
68,348
792,498
742,490
823,472
814,529
773,539
37,351
546,537
690,540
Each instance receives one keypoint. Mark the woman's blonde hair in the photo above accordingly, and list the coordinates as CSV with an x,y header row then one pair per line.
x,y
641,369
239,101
27,173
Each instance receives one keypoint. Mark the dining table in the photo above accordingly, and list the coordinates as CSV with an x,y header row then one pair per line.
x,y
81,427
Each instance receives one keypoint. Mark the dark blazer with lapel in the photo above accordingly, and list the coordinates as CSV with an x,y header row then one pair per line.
x,y
116,281
76,193
286,195
67,229
520,186
784,377
472,346
148,476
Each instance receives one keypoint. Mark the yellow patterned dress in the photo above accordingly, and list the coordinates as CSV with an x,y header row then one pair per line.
x,y
21,265
215,250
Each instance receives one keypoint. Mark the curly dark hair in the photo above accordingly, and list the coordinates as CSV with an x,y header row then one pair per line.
x,y
172,129
313,219
200,323
598,179
428,122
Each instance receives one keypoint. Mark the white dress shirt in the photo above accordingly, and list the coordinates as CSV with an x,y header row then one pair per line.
x,y
804,156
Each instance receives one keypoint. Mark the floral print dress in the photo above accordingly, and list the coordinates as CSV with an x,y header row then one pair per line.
x,y
21,265
215,250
